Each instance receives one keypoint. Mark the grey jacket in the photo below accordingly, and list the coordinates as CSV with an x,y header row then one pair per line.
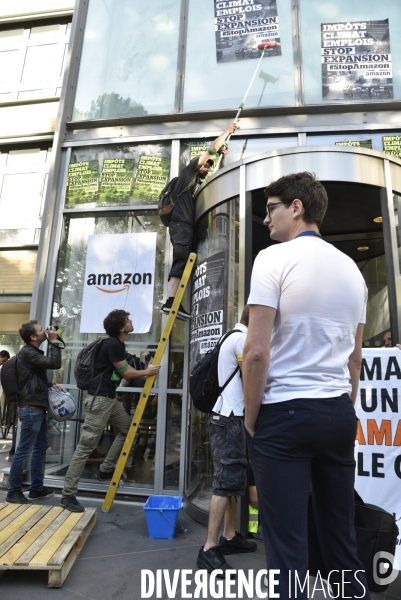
x,y
34,388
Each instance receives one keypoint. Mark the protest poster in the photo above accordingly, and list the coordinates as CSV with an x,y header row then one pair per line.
x,y
392,145
82,182
116,179
378,438
151,177
207,305
356,143
241,25
123,277
356,61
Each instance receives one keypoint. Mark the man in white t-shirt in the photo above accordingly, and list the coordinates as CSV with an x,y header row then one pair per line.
x,y
228,448
301,368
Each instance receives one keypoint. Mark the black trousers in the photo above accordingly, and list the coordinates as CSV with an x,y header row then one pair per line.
x,y
303,445
182,238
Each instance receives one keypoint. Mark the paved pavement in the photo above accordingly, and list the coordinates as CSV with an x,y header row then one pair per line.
x,y
119,551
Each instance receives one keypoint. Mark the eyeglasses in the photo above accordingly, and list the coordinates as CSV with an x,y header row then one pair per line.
x,y
268,208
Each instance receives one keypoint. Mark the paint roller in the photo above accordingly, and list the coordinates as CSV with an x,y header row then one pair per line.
x,y
263,47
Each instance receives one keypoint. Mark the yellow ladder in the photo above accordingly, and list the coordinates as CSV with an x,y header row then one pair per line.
x,y
136,419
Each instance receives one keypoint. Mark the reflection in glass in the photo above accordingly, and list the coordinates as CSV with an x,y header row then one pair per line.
x,y
377,310
129,59
210,84
238,148
173,442
349,87
62,439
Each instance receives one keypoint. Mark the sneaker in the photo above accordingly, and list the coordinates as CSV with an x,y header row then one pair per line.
x,y
17,497
45,493
71,503
236,545
182,314
212,559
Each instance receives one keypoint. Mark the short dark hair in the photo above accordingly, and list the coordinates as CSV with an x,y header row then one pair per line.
x,y
27,329
210,161
4,354
114,322
245,316
306,188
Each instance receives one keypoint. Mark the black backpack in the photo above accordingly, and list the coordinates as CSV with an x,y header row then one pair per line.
x,y
166,202
9,380
204,379
84,369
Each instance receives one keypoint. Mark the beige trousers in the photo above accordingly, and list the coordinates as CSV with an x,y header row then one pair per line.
x,y
104,410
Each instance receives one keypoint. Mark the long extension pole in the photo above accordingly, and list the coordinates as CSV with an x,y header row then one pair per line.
x,y
262,47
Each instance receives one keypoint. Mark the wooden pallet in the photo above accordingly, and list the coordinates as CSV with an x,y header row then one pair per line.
x,y
36,537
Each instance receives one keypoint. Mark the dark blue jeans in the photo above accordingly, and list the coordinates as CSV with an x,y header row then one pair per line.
x,y
33,439
300,445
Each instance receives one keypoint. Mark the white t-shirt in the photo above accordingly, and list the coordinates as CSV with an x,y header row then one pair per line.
x,y
320,297
232,398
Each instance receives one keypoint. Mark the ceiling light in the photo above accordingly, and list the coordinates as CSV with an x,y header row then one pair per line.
x,y
363,248
378,220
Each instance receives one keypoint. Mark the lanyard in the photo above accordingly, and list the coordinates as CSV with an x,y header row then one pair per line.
x,y
307,233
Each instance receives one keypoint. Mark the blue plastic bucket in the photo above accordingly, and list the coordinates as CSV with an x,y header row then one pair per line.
x,y
161,516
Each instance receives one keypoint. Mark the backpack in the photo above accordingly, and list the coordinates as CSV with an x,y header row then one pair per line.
x,y
9,380
204,380
166,202
84,369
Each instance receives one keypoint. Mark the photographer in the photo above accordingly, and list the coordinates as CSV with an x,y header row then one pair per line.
x,y
32,405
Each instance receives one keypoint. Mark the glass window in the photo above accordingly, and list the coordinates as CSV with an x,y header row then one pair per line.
x,y
173,442
17,237
46,31
129,59
11,37
23,174
216,294
8,65
71,272
36,57
239,148
20,199
29,57
10,342
337,65
67,314
129,174
218,69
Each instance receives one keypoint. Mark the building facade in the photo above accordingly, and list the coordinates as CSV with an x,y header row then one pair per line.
x,y
147,87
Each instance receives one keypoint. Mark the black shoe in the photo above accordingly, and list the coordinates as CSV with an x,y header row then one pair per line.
x,y
211,560
45,493
236,545
181,312
101,476
17,498
71,503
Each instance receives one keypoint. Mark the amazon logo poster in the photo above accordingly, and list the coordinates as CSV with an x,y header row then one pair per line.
x,y
120,273
378,436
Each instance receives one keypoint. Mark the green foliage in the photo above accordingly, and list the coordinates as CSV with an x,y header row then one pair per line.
x,y
109,105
